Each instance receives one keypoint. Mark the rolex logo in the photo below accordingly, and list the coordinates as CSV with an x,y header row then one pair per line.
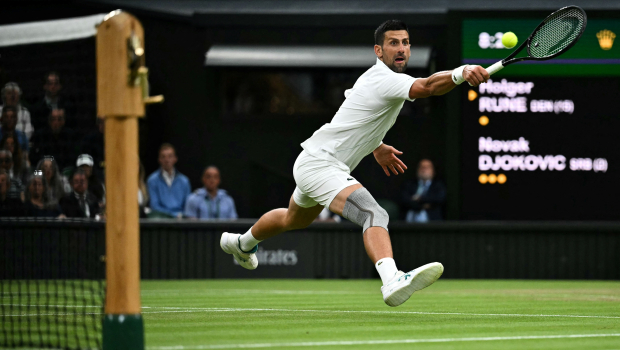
x,y
606,39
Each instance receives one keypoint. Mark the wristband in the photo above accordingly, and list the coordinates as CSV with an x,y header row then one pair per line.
x,y
457,75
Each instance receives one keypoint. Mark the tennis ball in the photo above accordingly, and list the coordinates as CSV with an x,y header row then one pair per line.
x,y
509,39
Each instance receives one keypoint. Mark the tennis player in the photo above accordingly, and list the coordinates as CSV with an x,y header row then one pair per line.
x,y
323,169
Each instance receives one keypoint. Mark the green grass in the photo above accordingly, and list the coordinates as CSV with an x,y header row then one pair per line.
x,y
225,314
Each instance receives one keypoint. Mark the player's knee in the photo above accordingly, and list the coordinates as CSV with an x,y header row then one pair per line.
x,y
362,209
382,219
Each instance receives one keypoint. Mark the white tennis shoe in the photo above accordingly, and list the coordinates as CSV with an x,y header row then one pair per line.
x,y
230,244
400,288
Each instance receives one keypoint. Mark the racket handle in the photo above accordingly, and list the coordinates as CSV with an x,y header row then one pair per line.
x,y
496,67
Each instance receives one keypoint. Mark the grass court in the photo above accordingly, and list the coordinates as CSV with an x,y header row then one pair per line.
x,y
350,314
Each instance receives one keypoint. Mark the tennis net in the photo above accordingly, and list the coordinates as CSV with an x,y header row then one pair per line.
x,y
52,286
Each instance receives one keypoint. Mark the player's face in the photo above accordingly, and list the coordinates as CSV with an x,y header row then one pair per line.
x,y
395,51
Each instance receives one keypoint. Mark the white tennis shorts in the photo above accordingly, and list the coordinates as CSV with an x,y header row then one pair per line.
x,y
319,180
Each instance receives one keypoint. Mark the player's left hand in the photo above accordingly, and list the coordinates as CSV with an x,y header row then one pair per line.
x,y
475,75
386,157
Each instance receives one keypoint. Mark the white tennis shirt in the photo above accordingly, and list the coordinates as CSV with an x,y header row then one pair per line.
x,y
368,112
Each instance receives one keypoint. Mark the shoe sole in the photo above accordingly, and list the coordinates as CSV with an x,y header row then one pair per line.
x,y
424,277
242,262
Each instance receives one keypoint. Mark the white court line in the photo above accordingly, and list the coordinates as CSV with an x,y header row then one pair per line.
x,y
263,291
374,342
196,309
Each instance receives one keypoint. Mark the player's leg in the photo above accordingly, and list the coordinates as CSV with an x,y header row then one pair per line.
x,y
244,246
284,219
357,204
376,239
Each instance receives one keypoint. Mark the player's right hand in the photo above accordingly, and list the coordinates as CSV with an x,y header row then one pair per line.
x,y
475,75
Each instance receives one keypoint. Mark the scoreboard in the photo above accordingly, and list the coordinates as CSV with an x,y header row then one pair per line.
x,y
541,144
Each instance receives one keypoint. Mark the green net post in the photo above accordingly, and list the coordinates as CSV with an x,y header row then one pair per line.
x,y
123,332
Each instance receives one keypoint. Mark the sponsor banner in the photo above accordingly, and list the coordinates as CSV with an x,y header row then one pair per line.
x,y
289,255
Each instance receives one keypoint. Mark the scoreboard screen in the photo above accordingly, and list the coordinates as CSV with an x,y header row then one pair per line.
x,y
541,147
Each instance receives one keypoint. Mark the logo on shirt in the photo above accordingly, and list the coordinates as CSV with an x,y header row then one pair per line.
x,y
349,179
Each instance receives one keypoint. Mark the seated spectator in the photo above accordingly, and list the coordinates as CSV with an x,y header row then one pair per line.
x,y
8,120
35,202
167,187
93,144
9,206
56,140
79,203
19,168
50,101
11,96
16,187
210,202
424,197
95,186
143,193
57,185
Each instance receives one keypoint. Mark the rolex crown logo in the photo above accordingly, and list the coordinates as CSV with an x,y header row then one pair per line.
x,y
606,39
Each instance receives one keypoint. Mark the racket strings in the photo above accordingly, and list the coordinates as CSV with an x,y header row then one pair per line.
x,y
558,32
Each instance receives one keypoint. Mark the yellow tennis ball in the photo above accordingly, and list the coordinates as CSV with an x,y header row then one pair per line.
x,y
509,39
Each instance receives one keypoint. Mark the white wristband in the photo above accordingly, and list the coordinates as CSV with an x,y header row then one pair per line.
x,y
457,75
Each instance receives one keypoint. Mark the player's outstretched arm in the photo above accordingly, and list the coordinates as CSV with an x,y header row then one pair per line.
x,y
441,82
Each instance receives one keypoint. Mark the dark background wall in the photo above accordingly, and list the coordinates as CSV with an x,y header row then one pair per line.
x,y
255,155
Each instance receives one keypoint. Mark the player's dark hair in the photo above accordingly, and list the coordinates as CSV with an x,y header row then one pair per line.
x,y
392,24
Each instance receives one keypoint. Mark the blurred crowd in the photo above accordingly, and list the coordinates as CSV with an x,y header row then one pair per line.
x,y
49,169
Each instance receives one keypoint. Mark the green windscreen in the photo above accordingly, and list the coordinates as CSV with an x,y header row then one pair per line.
x,y
595,54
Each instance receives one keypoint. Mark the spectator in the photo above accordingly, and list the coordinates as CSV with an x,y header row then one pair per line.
x,y
210,202
52,100
143,193
8,120
167,187
425,197
36,202
19,168
56,140
95,186
79,203
16,188
9,206
93,144
11,96
56,184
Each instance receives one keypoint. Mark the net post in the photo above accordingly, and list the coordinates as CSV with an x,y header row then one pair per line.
x,y
120,52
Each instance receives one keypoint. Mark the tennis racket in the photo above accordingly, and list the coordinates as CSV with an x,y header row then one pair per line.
x,y
554,36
